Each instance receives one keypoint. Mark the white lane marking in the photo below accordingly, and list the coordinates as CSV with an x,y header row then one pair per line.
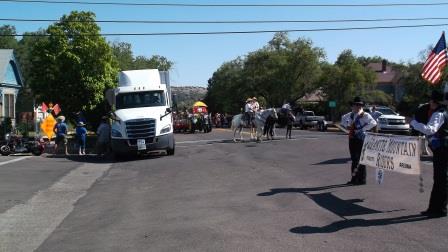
x,y
26,226
14,160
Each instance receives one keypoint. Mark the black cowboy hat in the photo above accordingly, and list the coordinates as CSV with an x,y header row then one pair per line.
x,y
357,101
436,96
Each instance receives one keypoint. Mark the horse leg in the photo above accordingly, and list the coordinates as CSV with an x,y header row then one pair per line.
x,y
234,133
253,133
241,133
258,133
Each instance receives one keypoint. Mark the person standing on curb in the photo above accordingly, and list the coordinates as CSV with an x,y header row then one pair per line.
x,y
81,134
61,134
358,122
437,132
103,133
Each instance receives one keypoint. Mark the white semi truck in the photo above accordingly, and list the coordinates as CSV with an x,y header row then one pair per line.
x,y
142,113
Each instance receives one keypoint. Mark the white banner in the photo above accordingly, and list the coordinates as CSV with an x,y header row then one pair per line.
x,y
392,153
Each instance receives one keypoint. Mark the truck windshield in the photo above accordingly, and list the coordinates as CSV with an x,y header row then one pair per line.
x,y
141,99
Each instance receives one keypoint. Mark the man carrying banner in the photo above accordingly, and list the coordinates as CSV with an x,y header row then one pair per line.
x,y
358,122
437,132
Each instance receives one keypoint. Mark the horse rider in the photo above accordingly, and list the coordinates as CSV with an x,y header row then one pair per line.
x,y
358,123
255,105
248,111
437,132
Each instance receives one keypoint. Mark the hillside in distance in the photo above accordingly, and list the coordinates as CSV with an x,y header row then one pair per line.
x,y
187,95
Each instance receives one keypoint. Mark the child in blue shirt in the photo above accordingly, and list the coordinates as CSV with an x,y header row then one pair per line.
x,y
81,133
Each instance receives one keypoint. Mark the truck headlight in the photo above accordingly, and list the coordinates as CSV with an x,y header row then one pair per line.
x,y
165,129
116,133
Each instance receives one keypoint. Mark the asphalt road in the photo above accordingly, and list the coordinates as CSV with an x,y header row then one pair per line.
x,y
215,195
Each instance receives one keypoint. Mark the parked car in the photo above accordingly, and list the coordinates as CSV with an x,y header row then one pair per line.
x,y
390,121
307,119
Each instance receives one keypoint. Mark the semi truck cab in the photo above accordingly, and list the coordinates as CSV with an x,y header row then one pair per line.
x,y
141,113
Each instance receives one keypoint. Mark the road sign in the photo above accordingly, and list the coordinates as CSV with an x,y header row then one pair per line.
x,y
332,104
47,126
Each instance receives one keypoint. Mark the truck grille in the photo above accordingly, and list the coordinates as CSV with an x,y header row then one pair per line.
x,y
395,122
141,128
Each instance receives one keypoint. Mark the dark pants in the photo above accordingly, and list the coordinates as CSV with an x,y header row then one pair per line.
x,y
288,130
358,171
438,200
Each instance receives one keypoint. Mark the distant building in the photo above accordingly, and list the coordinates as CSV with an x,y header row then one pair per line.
x,y
388,80
316,96
10,84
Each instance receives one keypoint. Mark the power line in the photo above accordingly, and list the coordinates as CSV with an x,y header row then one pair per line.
x,y
230,32
227,5
226,22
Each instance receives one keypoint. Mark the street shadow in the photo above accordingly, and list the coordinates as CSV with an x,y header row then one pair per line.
x,y
352,223
328,201
106,159
339,206
301,190
334,161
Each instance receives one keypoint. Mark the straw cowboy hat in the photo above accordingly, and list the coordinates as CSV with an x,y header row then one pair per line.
x,y
254,98
60,118
249,99
357,101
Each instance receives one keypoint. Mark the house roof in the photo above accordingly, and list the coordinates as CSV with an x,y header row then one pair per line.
x,y
6,57
315,96
389,76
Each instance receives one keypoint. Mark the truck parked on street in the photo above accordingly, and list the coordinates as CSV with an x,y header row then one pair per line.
x,y
306,119
141,113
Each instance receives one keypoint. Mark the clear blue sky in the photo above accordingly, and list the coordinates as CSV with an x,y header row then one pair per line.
x,y
196,57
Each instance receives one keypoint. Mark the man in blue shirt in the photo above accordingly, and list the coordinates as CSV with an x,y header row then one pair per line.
x,y
61,134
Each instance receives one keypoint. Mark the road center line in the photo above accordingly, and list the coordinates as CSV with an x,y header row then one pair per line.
x,y
26,226
14,160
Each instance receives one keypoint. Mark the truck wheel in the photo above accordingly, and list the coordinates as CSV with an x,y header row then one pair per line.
x,y
170,150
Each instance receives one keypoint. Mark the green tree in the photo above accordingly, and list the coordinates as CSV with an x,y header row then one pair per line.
x,y
123,54
284,70
155,62
281,71
226,89
346,79
74,65
7,40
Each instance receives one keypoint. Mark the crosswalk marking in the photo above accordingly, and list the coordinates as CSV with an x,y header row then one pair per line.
x,y
26,226
14,160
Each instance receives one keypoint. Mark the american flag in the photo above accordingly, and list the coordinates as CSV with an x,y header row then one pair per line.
x,y
437,60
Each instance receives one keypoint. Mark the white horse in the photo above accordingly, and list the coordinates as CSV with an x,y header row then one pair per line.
x,y
260,118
